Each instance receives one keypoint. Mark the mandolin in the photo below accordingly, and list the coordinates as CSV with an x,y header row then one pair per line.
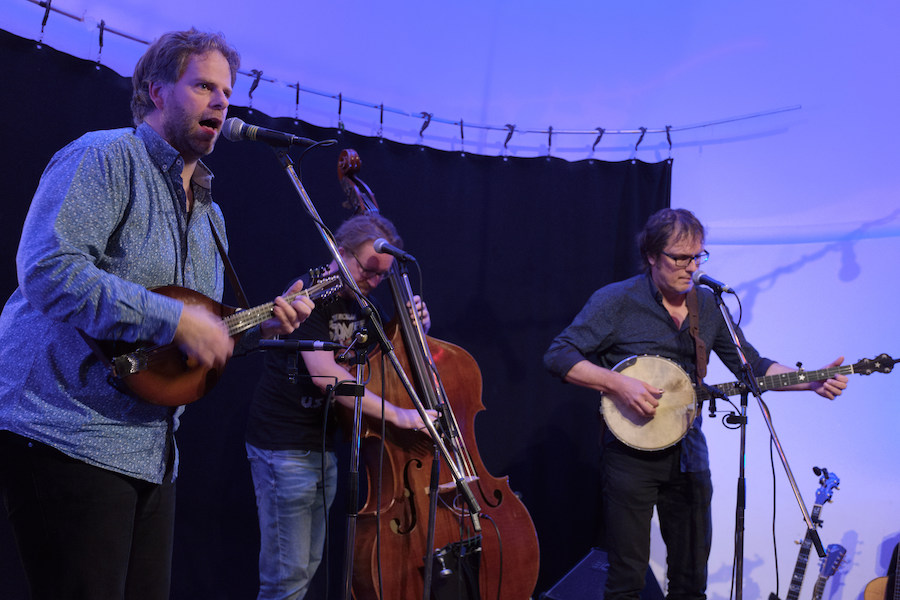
x,y
162,374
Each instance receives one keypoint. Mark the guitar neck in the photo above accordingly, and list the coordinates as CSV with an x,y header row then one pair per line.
x,y
834,556
896,592
802,559
819,587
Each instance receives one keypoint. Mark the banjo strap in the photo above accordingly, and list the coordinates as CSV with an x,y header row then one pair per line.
x,y
693,307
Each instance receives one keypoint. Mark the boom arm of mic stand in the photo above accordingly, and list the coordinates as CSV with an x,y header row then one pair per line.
x,y
386,345
750,385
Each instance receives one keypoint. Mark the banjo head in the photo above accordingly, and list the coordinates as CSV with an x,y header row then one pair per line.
x,y
674,416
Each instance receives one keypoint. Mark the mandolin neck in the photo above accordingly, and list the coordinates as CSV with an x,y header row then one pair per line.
x,y
243,320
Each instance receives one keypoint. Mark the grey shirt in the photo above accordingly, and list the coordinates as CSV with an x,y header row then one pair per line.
x,y
628,318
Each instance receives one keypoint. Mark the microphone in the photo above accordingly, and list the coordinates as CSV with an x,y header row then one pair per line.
x,y
236,130
298,345
382,246
701,278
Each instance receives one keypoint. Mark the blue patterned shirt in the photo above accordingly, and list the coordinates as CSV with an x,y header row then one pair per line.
x,y
628,318
108,221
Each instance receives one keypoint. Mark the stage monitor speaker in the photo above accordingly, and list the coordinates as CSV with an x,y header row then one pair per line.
x,y
587,580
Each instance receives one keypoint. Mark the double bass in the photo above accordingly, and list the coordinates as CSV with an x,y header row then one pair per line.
x,y
416,525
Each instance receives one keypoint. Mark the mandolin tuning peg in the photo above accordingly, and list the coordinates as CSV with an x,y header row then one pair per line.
x,y
318,272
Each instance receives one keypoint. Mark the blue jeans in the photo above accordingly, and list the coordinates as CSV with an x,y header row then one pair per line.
x,y
292,524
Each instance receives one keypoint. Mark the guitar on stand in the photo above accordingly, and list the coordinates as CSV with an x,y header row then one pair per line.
x,y
887,587
834,555
828,482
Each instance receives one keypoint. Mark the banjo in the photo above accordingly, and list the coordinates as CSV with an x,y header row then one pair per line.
x,y
681,399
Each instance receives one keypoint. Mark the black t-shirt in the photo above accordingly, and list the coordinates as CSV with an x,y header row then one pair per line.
x,y
288,410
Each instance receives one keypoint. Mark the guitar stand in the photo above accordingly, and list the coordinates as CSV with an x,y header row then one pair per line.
x,y
388,351
748,385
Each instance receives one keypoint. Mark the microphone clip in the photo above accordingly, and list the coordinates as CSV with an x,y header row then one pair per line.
x,y
360,337
714,393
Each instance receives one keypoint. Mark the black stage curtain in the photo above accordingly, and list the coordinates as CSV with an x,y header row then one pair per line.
x,y
510,249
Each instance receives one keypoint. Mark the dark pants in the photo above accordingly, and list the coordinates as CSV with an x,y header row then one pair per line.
x,y
83,531
635,481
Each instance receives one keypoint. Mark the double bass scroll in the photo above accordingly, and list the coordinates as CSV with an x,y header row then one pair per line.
x,y
402,522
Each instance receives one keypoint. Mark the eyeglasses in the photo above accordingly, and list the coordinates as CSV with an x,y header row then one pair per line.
x,y
682,261
366,272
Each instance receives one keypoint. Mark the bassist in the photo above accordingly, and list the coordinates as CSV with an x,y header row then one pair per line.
x,y
291,423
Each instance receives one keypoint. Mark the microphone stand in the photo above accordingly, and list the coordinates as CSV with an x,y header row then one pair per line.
x,y
387,350
748,385
359,359
446,420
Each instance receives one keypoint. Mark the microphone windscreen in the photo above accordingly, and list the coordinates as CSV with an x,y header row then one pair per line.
x,y
231,130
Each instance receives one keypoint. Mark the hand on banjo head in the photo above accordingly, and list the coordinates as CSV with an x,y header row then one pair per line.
x,y
640,397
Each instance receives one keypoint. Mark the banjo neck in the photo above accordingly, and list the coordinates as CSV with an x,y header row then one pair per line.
x,y
882,363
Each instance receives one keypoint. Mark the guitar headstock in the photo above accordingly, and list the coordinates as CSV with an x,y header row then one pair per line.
x,y
834,555
883,363
828,482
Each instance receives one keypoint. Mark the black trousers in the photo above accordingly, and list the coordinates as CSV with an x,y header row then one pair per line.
x,y
635,481
82,531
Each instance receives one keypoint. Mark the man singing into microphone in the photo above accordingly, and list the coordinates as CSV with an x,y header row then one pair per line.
x,y
87,470
651,314
290,429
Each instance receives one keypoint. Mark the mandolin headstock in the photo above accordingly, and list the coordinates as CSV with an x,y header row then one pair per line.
x,y
326,285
